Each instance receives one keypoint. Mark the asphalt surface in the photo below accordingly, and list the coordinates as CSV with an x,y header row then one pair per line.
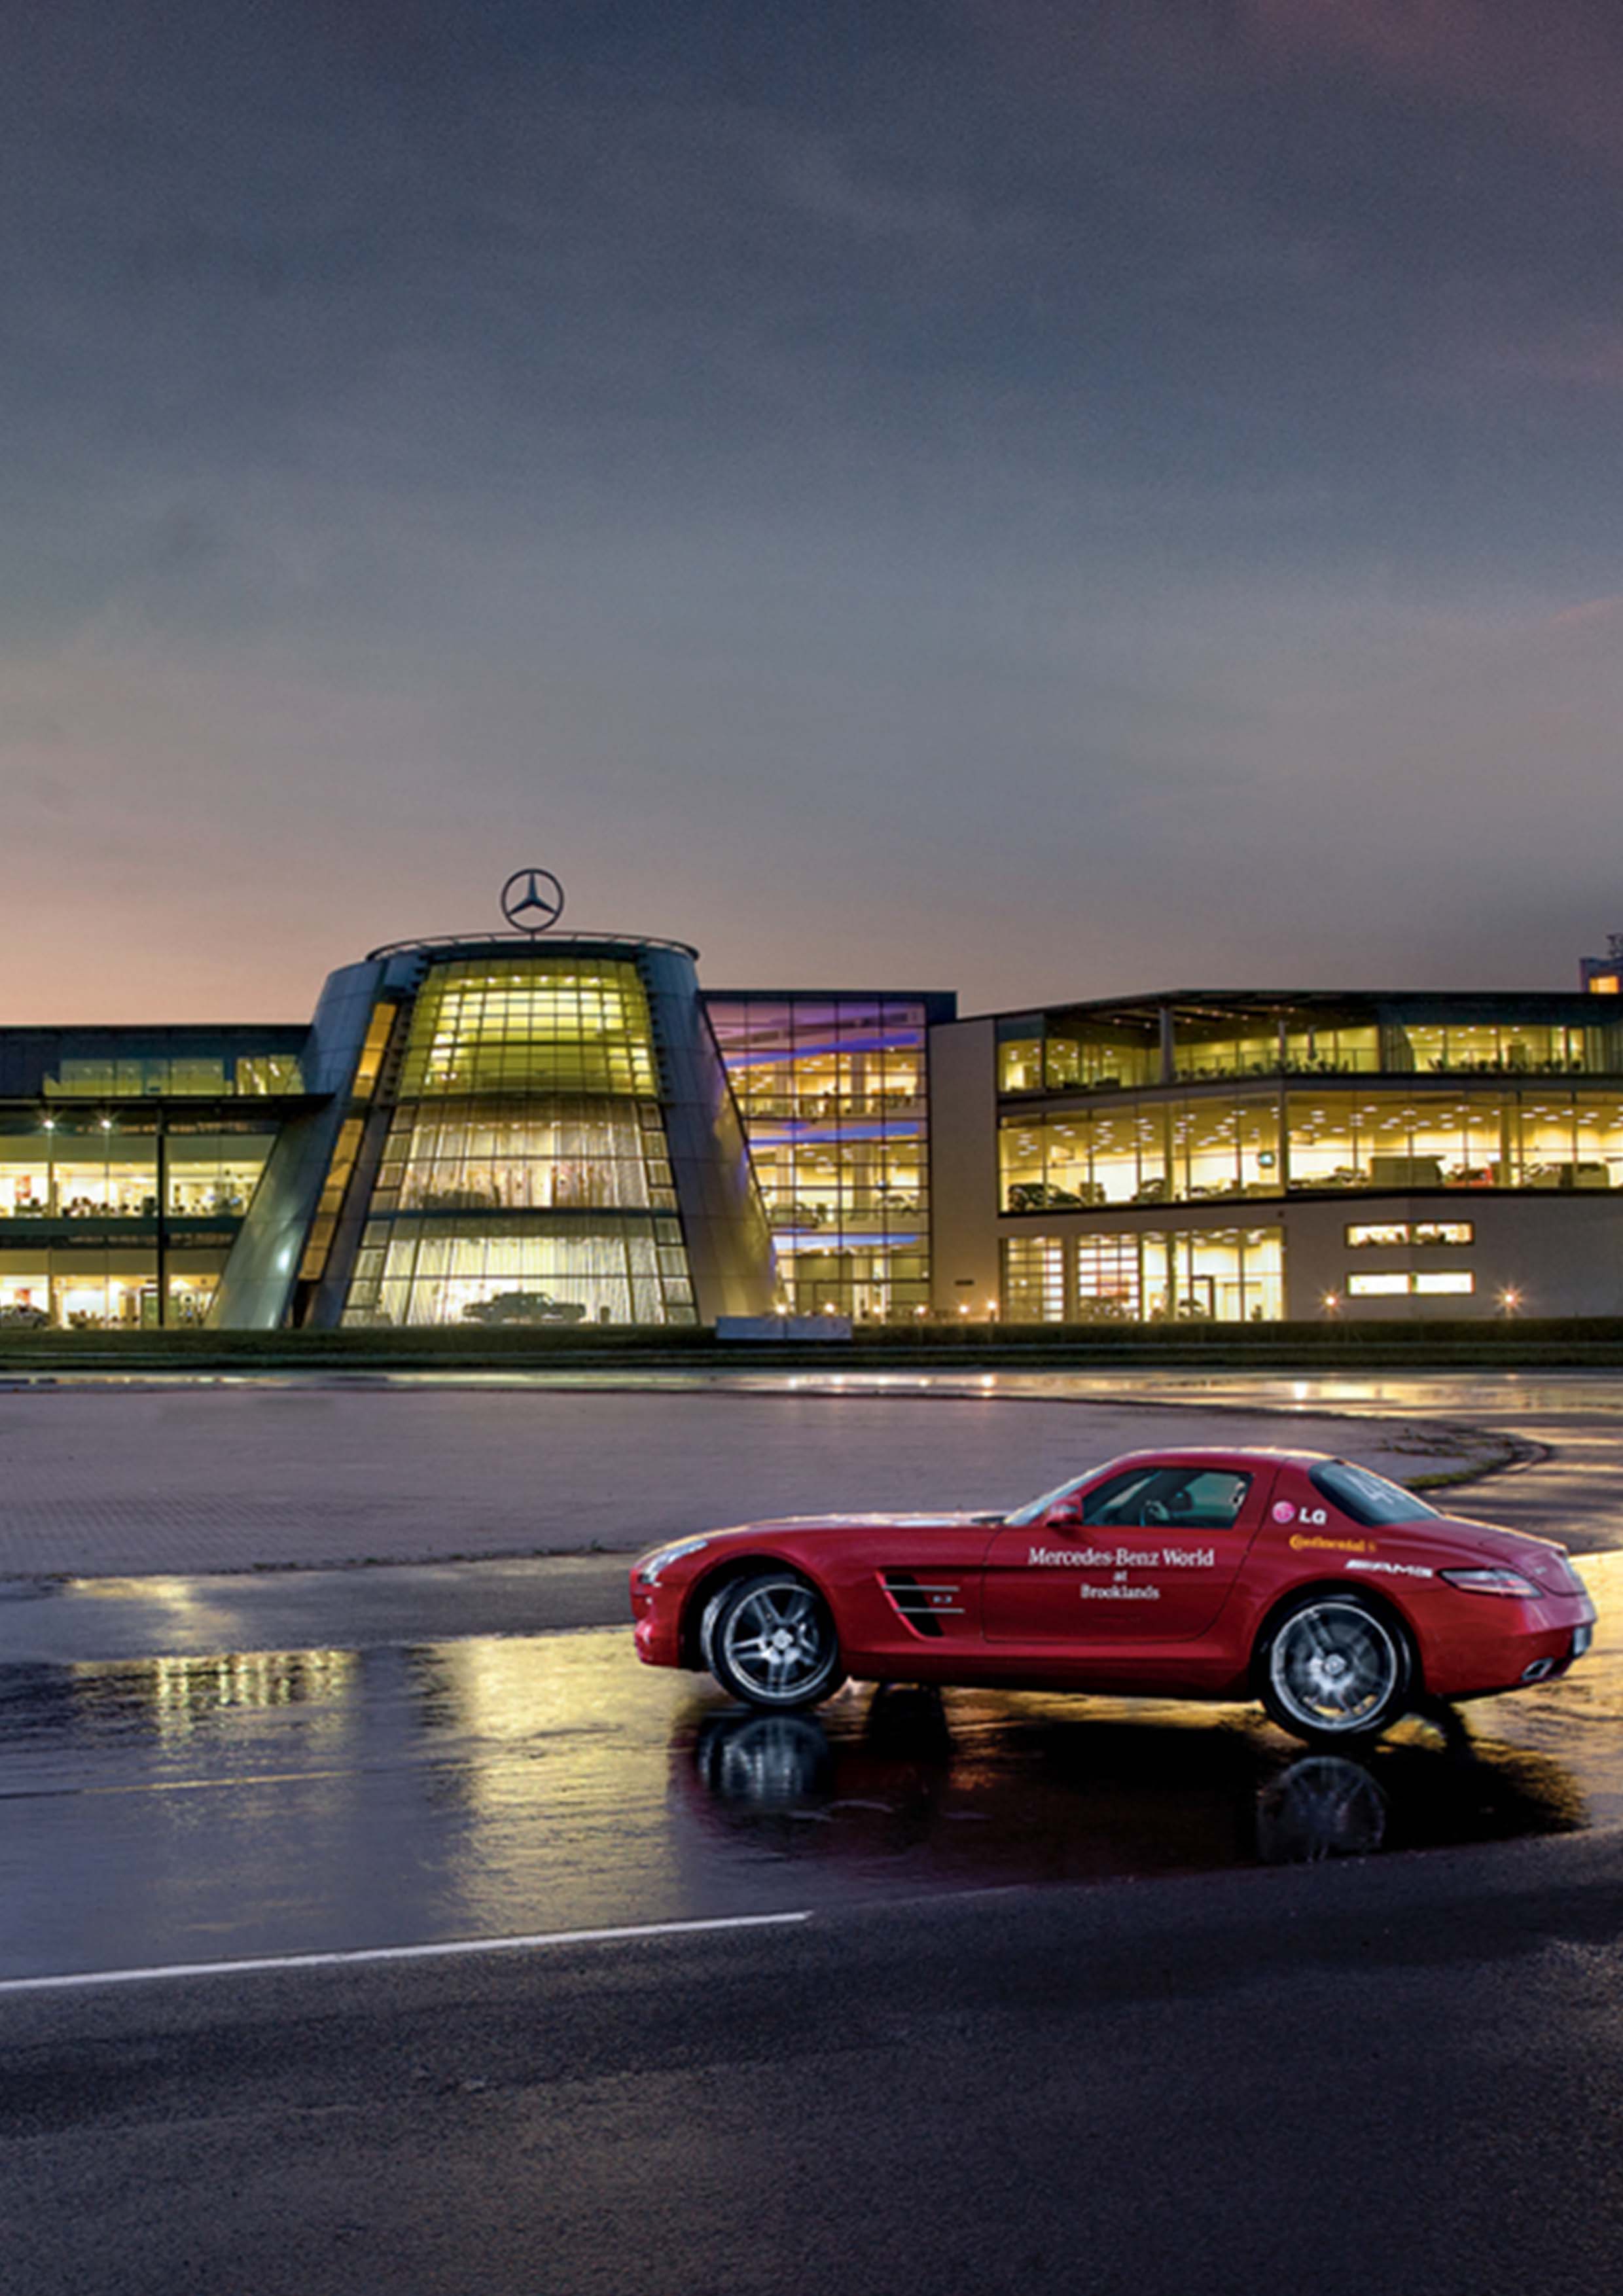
x,y
119,1478
1373,2080
187,1810
1064,1993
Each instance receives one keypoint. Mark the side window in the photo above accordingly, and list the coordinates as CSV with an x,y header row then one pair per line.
x,y
1210,1500
1121,1499
1189,1498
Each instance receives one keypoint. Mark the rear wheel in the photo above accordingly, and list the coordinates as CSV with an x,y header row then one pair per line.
x,y
772,1643
1336,1669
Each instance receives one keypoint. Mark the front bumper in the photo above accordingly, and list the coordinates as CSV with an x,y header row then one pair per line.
x,y
657,1612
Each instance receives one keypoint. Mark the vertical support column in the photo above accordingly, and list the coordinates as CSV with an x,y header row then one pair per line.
x,y
163,1230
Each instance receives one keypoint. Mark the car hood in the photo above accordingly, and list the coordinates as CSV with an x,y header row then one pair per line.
x,y
796,1526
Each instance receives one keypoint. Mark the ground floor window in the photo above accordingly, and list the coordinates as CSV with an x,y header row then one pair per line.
x,y
1110,1279
72,1291
543,1272
1034,1279
1224,1274
871,1286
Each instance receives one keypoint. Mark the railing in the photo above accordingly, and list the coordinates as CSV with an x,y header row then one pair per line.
x,y
539,943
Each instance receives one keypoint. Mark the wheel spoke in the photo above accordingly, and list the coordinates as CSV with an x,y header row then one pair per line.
x,y
1333,1667
776,1644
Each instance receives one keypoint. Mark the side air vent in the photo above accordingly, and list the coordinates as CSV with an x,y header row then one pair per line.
x,y
924,1602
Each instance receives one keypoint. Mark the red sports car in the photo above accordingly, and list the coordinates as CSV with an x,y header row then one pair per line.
x,y
1336,1597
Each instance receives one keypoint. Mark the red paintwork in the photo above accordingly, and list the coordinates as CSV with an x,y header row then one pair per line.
x,y
1012,1622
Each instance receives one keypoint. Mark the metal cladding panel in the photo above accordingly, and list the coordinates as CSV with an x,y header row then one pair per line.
x,y
257,1283
724,1222
964,1163
257,1287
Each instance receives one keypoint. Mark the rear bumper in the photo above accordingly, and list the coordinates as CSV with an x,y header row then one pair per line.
x,y
1478,1644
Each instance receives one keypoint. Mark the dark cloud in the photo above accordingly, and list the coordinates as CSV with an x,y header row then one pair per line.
x,y
860,481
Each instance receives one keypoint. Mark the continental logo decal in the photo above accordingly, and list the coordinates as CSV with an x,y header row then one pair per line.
x,y
1299,1539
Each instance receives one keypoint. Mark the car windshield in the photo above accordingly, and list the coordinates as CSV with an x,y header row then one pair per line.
x,y
1366,1498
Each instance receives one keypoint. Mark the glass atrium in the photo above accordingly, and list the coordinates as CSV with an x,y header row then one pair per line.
x,y
524,1175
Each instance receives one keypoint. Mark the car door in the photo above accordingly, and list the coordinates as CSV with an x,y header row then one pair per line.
x,y
1146,1554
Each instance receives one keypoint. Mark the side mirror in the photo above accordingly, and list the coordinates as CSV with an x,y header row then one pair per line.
x,y
1066,1516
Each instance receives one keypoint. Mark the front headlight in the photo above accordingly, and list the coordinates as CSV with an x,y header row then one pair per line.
x,y
1499,1580
648,1573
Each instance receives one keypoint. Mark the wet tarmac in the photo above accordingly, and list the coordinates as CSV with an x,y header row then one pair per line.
x,y
208,1809
104,1481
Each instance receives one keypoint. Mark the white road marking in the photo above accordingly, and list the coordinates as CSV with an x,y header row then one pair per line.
x,y
362,1954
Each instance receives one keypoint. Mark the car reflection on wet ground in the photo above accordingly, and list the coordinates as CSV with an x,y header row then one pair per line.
x,y
1007,1791
212,1808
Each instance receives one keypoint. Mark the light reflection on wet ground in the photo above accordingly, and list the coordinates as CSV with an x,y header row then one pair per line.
x,y
210,1808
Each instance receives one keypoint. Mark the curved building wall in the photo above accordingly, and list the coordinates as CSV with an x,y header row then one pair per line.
x,y
550,1139
283,1245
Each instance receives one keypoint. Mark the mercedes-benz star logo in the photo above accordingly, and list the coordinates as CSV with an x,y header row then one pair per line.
x,y
532,899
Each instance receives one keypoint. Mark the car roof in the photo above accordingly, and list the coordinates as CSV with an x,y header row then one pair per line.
x,y
1210,1456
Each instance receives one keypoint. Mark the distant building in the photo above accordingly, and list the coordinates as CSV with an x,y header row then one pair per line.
x,y
492,1132
541,1127
1247,1156
1603,976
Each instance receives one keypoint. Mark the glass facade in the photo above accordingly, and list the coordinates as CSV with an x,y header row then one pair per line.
x,y
1079,1051
1179,1149
1226,1274
501,1132
1126,1049
178,1063
833,1094
207,1075
113,1220
536,1024
524,1175
1252,1100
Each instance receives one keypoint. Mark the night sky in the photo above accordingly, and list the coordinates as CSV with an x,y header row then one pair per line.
x,y
1050,500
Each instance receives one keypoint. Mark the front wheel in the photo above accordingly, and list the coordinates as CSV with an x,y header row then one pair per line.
x,y
773,1643
1335,1668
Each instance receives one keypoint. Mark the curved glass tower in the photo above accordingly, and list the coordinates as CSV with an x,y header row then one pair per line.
x,y
519,1132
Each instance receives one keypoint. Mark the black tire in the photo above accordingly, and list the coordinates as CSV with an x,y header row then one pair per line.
x,y
773,1643
1336,1669
708,1616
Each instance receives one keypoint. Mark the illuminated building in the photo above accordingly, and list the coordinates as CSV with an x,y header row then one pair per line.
x,y
1244,1158
549,1129
834,1094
